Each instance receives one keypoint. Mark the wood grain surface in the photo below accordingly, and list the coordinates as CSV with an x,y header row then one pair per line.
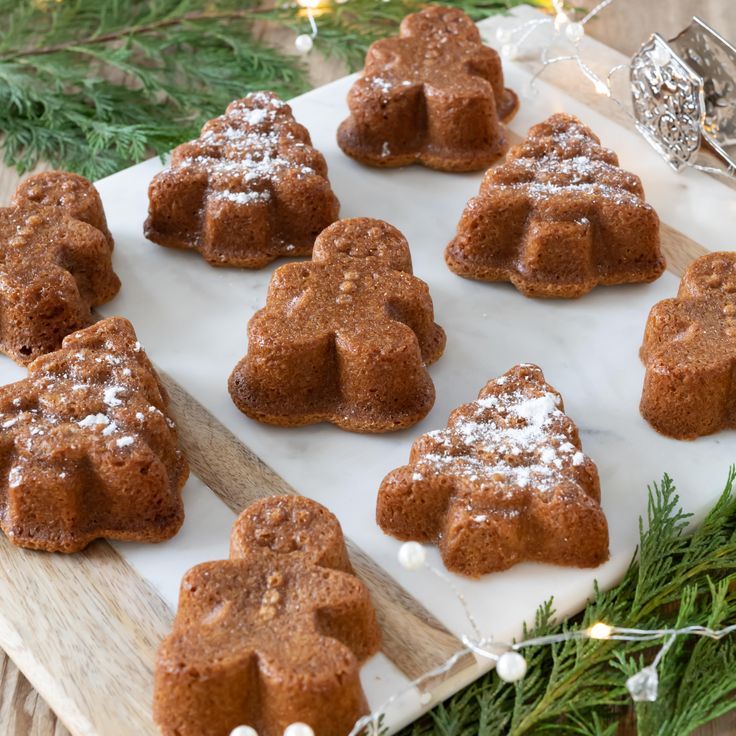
x,y
623,26
413,639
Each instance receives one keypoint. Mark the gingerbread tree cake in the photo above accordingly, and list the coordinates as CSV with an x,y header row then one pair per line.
x,y
558,218
689,352
433,95
345,338
249,190
273,636
506,481
55,263
87,449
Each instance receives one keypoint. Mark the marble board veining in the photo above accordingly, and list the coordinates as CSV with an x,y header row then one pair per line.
x,y
192,320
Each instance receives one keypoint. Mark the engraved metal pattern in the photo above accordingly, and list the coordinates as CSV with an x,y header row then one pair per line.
x,y
684,97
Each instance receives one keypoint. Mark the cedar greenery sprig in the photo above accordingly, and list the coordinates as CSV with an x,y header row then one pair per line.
x,y
94,86
680,577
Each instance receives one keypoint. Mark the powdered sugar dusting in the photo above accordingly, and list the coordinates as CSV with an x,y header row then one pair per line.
x,y
254,143
93,394
568,161
515,436
92,420
110,395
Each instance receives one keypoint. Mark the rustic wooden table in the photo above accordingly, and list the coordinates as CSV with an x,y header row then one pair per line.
x,y
622,26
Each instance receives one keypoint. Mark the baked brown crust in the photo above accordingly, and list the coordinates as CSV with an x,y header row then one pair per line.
x,y
56,254
689,352
505,482
558,218
343,339
273,636
249,190
433,95
87,449
77,196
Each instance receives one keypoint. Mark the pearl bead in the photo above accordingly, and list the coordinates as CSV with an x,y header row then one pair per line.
x,y
412,556
509,51
503,35
243,731
511,667
303,43
574,32
298,729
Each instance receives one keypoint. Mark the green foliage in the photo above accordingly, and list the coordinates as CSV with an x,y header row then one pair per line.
x,y
679,578
93,86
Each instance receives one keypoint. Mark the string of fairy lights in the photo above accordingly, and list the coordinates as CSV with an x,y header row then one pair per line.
x,y
510,664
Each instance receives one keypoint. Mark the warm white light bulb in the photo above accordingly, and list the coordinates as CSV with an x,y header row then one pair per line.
x,y
601,88
600,631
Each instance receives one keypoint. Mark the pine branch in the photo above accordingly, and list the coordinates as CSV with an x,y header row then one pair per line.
x,y
92,87
679,578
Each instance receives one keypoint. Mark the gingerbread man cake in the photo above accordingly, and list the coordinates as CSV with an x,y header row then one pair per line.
x,y
87,448
558,218
689,352
433,95
249,190
275,635
344,339
55,263
506,481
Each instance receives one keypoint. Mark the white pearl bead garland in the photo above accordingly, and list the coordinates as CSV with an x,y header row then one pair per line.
x,y
412,556
303,43
511,666
298,729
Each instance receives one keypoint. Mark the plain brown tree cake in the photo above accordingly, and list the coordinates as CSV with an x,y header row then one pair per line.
x,y
55,263
433,95
249,190
558,218
689,352
345,338
275,635
506,481
87,448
